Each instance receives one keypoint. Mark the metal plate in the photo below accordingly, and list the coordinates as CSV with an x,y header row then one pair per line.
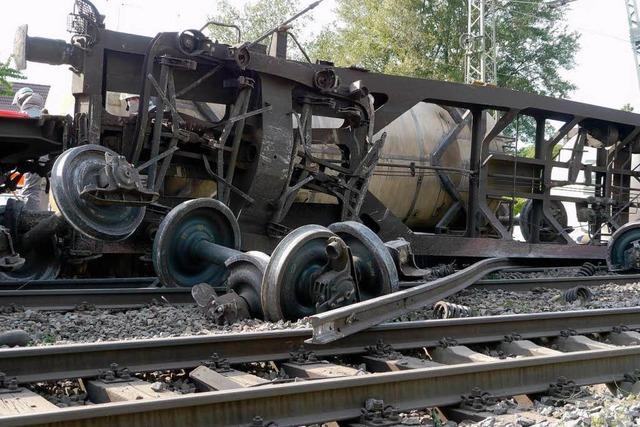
x,y
376,272
287,281
72,171
620,241
189,222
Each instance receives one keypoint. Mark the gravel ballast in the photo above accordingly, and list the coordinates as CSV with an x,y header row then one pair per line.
x,y
161,321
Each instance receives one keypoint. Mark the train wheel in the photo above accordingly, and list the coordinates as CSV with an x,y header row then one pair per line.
x,y
246,271
298,279
42,263
375,270
547,234
72,172
290,275
191,222
623,249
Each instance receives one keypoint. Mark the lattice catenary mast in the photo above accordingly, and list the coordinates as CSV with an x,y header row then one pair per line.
x,y
634,32
480,43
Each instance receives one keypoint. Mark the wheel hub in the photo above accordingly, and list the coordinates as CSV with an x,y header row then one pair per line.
x,y
177,253
623,249
77,171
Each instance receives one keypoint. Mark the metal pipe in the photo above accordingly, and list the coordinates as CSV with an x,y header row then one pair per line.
x,y
44,50
426,167
293,18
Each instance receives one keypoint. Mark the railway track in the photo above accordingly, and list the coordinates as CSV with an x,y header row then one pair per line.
x,y
333,389
119,294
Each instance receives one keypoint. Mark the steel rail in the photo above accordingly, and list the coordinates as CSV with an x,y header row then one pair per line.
x,y
341,322
69,299
518,285
33,364
106,293
311,402
101,283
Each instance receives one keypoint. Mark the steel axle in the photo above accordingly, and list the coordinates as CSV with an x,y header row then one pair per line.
x,y
212,252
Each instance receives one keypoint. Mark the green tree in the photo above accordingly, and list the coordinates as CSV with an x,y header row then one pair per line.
x,y
6,72
254,18
422,38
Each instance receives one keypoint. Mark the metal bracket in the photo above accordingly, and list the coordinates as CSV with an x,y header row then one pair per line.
x,y
114,374
478,400
119,183
620,329
9,259
632,377
8,385
513,337
566,333
376,414
217,363
84,306
632,256
404,260
447,342
302,356
336,285
222,309
258,421
564,388
383,351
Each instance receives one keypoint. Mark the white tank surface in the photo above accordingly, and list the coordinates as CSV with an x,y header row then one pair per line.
x,y
418,198
414,195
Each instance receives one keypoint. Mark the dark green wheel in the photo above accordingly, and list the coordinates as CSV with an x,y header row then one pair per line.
x,y
621,255
547,234
290,275
375,270
246,271
72,172
177,257
41,263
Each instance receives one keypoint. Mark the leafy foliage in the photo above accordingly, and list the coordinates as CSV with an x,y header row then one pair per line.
x,y
254,18
6,72
422,38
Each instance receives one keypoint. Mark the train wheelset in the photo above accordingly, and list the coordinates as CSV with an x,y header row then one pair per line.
x,y
312,269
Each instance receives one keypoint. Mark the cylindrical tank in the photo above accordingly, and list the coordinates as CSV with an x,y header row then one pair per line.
x,y
414,195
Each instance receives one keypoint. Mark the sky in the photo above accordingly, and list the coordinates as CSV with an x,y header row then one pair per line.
x,y
604,73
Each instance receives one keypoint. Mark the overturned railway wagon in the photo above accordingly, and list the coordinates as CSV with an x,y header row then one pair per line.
x,y
282,179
